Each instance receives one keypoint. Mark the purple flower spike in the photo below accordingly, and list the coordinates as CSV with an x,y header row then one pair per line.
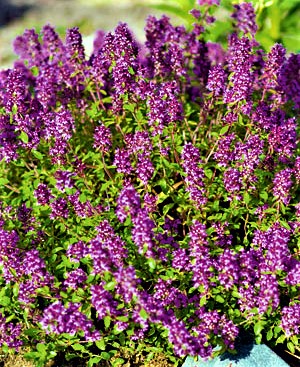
x,y
102,138
290,320
216,80
282,184
245,18
232,180
74,44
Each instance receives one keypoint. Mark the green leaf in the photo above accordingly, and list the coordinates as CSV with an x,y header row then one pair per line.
x,y
246,198
294,339
269,334
281,339
151,263
78,347
37,154
41,348
219,299
110,286
93,360
101,344
264,195
107,321
291,347
203,301
224,129
143,314
3,181
258,327
16,289
4,301
105,355
167,208
24,137
118,362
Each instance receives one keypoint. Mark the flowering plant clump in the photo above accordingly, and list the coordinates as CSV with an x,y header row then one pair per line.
x,y
149,193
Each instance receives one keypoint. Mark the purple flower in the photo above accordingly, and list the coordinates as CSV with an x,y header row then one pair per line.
x,y
194,174
181,260
52,46
103,302
240,63
125,59
228,268
82,209
64,180
290,320
283,138
164,105
127,282
58,319
10,334
74,46
273,66
245,18
296,169
77,251
224,154
128,202
75,278
282,184
144,168
289,79
59,208
232,180
150,202
216,82
195,13
28,47
122,161
142,233
102,138
293,272
106,249
139,141
164,43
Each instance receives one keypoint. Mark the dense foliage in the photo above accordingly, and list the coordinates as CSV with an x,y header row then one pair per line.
x,y
149,193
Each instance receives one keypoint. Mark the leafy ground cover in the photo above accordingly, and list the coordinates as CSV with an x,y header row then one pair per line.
x,y
149,194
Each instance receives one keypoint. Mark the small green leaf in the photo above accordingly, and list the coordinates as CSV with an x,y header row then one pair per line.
x,y
24,137
291,347
110,286
37,154
281,339
101,344
93,360
246,198
78,347
41,348
203,301
3,181
143,314
258,327
106,356
269,334
219,299
224,129
4,301
107,321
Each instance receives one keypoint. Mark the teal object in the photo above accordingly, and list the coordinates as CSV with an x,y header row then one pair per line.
x,y
249,355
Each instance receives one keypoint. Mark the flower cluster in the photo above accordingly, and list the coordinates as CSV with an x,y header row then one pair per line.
x,y
149,193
